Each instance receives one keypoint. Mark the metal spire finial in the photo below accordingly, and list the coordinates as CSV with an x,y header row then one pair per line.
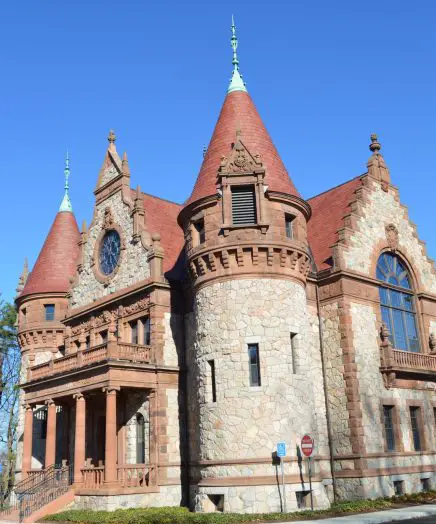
x,y
66,202
236,83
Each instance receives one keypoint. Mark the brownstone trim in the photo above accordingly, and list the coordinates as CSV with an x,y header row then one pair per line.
x,y
424,440
95,262
354,405
394,403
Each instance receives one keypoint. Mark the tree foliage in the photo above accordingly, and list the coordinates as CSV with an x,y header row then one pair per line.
x,y
10,363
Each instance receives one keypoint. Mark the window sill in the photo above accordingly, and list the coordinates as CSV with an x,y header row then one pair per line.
x,y
232,227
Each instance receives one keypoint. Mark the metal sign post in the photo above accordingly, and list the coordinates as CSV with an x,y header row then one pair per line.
x,y
281,453
307,445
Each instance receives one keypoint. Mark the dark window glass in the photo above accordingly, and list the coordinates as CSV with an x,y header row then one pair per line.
x,y
110,252
414,422
397,306
199,226
212,379
289,221
147,331
140,439
389,427
43,424
103,336
243,205
88,342
134,332
253,360
398,487
49,311
425,484
294,353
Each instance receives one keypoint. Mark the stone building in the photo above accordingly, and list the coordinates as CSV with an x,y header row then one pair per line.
x,y
167,348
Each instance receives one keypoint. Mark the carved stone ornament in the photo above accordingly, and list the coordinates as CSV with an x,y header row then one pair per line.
x,y
240,160
108,220
432,343
392,236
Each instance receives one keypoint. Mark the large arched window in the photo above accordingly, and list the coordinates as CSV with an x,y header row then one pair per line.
x,y
397,302
140,439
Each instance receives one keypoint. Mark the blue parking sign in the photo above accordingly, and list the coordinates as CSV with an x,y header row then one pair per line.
x,y
281,449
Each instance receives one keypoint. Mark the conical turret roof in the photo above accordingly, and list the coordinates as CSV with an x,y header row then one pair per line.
x,y
56,262
240,114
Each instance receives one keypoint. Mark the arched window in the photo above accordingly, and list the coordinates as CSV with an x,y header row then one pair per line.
x,y
397,302
140,439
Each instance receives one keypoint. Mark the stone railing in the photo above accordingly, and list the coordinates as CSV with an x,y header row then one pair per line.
x,y
136,476
93,477
114,350
419,361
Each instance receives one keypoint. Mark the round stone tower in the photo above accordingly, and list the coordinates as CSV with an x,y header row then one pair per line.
x,y
254,366
42,304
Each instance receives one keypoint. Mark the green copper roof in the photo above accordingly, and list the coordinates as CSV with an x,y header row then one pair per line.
x,y
236,83
66,202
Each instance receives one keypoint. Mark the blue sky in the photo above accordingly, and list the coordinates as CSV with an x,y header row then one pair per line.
x,y
324,76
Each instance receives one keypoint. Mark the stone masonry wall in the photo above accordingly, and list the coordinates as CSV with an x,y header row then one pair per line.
x,y
383,208
288,403
336,386
133,266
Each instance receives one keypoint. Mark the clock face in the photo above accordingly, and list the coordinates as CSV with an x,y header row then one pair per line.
x,y
110,252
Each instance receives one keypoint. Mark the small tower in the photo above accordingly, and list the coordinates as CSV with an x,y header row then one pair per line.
x,y
42,299
253,363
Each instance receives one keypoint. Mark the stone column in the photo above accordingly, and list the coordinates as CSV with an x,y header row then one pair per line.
x,y
27,440
110,458
154,435
79,440
50,442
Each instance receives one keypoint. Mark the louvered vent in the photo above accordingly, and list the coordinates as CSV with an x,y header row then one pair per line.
x,y
243,205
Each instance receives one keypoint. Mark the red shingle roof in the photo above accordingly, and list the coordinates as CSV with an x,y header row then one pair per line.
x,y
161,217
56,262
328,210
239,112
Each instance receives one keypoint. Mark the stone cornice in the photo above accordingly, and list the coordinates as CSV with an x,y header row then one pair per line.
x,y
298,202
257,259
143,286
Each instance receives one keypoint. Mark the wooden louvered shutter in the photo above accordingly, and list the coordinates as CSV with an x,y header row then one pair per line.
x,y
243,205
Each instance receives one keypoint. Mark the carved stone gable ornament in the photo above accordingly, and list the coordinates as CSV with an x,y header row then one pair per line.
x,y
240,160
108,220
392,236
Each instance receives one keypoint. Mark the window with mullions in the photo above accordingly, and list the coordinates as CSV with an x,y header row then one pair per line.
x,y
397,303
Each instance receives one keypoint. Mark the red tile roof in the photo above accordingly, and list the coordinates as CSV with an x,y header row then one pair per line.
x,y
56,262
161,217
239,111
328,210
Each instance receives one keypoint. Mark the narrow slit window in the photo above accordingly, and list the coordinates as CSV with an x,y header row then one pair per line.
x,y
200,232
49,311
103,337
147,331
140,439
212,380
289,223
388,420
294,353
243,205
414,422
254,364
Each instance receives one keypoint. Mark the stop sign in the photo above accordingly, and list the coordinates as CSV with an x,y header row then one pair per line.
x,y
307,445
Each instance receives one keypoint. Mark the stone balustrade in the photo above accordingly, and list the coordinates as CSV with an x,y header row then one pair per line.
x,y
418,361
93,477
120,351
136,475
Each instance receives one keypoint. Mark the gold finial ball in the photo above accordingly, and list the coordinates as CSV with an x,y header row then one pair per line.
x,y
375,145
112,137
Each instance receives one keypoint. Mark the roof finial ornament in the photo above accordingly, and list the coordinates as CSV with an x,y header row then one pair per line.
x,y
66,202
377,167
236,83
111,137
375,145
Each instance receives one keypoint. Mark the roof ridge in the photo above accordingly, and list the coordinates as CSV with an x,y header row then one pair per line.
x,y
335,187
